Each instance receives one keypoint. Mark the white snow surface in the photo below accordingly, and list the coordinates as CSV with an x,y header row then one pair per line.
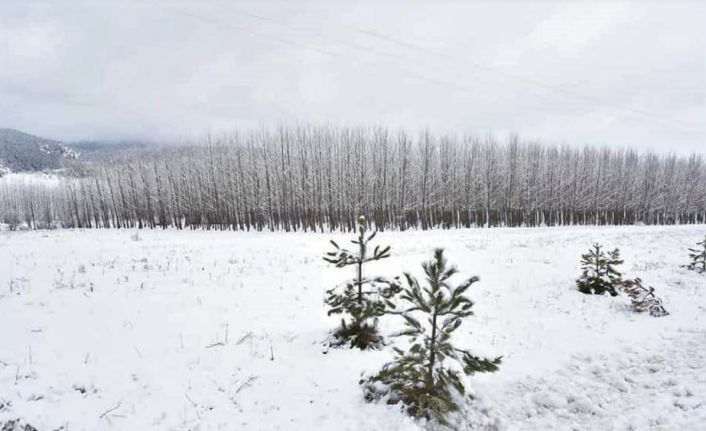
x,y
206,330
50,180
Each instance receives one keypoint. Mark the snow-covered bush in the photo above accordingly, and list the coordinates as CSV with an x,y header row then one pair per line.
x,y
643,298
426,378
698,258
362,300
599,274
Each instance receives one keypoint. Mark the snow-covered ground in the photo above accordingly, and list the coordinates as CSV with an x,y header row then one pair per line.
x,y
223,330
47,179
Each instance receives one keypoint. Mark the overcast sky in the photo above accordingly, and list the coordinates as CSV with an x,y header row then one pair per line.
x,y
604,73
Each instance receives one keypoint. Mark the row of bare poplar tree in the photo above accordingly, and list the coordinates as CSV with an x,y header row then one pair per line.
x,y
321,178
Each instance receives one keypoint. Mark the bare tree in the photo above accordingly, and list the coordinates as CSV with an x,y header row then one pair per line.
x,y
317,178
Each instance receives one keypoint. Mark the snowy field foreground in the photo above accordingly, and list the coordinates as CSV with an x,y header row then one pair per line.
x,y
224,330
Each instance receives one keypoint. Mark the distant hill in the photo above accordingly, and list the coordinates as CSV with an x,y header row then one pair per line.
x,y
22,152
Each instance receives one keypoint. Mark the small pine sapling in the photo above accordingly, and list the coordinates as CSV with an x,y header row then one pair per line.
x,y
426,377
599,274
643,298
362,300
698,258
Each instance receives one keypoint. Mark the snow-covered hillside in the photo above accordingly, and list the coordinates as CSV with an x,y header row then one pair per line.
x,y
22,152
224,330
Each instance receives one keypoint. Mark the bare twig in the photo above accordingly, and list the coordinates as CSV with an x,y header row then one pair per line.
x,y
194,405
112,409
246,384
243,338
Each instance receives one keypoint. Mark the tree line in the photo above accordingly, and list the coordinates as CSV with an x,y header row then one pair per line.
x,y
323,178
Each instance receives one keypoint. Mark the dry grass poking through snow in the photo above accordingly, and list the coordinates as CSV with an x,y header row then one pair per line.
x,y
224,330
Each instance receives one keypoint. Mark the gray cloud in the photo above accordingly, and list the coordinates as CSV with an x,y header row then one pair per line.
x,y
607,73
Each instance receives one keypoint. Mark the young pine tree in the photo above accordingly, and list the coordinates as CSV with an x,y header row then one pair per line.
x,y
644,298
599,274
362,300
698,258
426,377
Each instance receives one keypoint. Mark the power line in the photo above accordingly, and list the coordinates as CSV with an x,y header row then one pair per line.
x,y
419,48
323,51
513,76
482,67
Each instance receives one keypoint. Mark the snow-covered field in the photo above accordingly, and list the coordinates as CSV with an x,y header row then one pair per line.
x,y
223,330
30,179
